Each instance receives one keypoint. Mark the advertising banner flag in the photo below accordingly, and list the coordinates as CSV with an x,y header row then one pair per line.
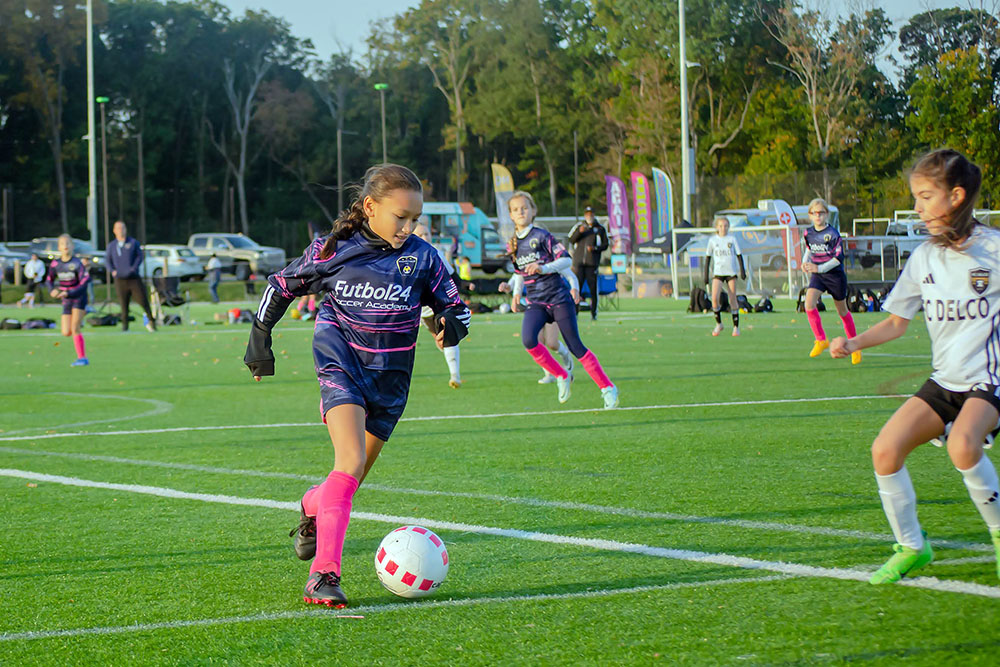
x,y
642,208
664,206
503,186
618,219
793,249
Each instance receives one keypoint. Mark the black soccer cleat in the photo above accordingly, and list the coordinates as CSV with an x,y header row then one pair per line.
x,y
305,536
324,588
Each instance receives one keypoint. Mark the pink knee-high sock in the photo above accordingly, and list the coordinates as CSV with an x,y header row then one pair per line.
x,y
816,324
848,321
332,516
544,358
594,370
81,350
310,500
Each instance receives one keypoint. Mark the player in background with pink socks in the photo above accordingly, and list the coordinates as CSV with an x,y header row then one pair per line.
x,y
539,258
67,279
376,276
824,262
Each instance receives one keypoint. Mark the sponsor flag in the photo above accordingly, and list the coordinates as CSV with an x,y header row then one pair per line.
x,y
790,239
642,208
663,220
503,186
618,219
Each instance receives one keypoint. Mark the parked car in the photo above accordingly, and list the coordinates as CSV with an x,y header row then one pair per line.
x,y
8,257
174,260
903,233
238,254
765,249
47,249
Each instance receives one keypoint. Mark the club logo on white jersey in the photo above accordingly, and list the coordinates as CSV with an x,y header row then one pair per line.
x,y
979,279
406,265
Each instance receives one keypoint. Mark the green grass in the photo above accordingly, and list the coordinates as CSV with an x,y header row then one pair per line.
x,y
132,578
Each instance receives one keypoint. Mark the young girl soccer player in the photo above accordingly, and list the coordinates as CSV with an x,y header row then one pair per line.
x,y
538,258
377,276
451,354
951,278
67,279
550,332
823,261
725,258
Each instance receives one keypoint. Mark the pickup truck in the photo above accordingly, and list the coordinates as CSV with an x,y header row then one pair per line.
x,y
902,236
238,254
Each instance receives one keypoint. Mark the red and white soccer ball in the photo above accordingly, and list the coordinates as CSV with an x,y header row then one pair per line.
x,y
411,562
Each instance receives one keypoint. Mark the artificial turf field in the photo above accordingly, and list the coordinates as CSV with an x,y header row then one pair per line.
x,y
727,514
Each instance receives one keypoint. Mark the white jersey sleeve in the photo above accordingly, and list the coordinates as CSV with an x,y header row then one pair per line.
x,y
905,298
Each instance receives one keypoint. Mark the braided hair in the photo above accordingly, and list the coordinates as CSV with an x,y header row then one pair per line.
x,y
378,182
950,169
518,194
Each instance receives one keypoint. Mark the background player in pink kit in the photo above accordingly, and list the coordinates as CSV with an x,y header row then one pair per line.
x,y
539,258
377,277
823,262
67,279
954,278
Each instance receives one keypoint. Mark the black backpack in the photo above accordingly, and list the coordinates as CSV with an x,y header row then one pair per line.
x,y
855,300
9,323
800,307
763,306
743,303
700,303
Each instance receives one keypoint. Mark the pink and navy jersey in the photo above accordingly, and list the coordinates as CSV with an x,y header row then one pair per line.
x,y
70,276
539,246
824,245
370,316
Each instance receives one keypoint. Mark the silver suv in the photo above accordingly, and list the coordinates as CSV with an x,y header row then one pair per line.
x,y
238,254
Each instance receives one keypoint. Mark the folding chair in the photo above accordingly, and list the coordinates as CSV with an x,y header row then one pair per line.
x,y
165,293
607,290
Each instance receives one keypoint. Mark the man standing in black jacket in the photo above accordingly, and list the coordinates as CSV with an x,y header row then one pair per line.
x,y
590,239
124,256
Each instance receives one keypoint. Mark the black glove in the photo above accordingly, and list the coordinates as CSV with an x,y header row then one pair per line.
x,y
259,358
743,275
456,324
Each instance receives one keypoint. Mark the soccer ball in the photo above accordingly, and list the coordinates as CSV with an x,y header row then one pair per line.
x,y
411,562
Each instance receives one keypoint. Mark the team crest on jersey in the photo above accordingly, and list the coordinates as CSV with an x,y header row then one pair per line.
x,y
406,265
827,237
979,279
533,244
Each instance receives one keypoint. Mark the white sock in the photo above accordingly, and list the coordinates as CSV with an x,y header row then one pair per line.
x,y
563,353
451,356
984,489
899,501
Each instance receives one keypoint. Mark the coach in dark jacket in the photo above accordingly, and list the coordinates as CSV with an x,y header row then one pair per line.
x,y
124,257
590,239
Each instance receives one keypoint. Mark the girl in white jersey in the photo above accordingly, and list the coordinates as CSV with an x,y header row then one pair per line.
x,y
951,277
724,258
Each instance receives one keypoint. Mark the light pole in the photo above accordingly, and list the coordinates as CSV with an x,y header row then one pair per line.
x,y
381,88
104,180
687,163
91,130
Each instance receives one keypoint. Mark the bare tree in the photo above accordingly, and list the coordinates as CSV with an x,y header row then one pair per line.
x,y
827,63
242,103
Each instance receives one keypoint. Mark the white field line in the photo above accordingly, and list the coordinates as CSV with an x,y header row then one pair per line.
x,y
159,408
353,612
792,569
510,500
496,415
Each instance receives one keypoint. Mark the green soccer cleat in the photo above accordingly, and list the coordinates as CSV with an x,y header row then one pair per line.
x,y
903,562
995,534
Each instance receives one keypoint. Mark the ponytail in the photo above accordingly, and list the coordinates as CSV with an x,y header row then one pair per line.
x,y
379,181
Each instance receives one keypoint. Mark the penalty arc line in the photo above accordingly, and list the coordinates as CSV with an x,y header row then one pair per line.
x,y
496,415
515,500
727,560
379,608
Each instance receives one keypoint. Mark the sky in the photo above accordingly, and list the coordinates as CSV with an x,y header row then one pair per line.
x,y
336,25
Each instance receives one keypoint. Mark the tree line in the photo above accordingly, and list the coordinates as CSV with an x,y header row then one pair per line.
x,y
216,121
